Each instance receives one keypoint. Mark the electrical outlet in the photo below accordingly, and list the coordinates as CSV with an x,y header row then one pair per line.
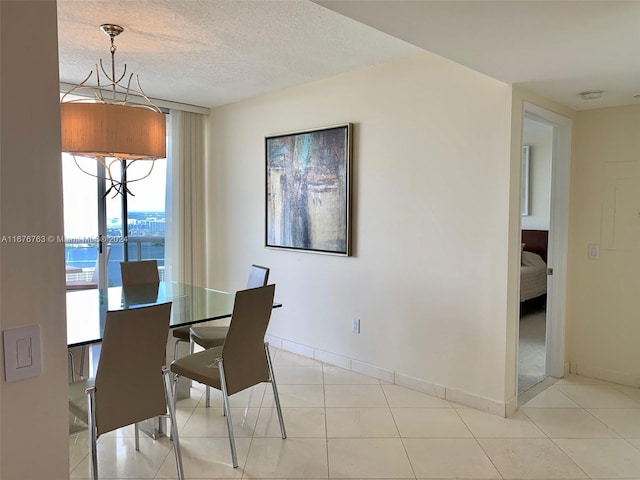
x,y
355,325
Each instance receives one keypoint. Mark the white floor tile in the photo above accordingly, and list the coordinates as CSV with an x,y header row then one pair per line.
x,y
78,449
117,458
449,458
286,375
207,458
551,398
608,458
211,422
430,422
626,422
487,425
298,422
530,458
341,424
290,458
368,458
360,422
354,396
598,396
569,423
296,396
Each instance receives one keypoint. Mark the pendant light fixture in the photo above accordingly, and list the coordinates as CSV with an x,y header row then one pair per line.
x,y
116,125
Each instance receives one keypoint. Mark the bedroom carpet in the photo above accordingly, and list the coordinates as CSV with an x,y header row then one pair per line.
x,y
531,351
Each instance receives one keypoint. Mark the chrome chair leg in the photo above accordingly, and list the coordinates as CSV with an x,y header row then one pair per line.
x,y
93,440
166,375
175,349
73,366
137,436
83,353
275,390
227,411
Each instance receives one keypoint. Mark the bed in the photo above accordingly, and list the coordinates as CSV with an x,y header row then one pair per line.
x,y
533,265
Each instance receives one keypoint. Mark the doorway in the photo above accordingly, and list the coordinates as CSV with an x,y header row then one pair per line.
x,y
537,140
541,330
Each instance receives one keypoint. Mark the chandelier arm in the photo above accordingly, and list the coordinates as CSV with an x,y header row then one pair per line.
x,y
77,87
144,95
124,72
82,169
153,162
127,89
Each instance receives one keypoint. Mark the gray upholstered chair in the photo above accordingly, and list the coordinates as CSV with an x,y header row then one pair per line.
x,y
141,272
128,386
243,361
208,337
213,336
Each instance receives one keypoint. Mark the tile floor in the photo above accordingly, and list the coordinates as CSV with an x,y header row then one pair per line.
x,y
347,426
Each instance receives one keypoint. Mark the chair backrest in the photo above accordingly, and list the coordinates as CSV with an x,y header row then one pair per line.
x,y
258,276
136,273
129,384
245,362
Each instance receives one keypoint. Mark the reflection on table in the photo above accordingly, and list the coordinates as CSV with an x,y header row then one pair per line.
x,y
86,309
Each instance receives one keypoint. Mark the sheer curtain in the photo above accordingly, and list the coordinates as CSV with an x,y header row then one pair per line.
x,y
185,221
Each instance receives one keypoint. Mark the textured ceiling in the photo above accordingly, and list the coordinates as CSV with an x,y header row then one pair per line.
x,y
213,52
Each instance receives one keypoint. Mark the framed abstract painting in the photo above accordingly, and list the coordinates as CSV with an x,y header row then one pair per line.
x,y
308,190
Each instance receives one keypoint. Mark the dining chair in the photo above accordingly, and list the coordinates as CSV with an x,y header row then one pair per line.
x,y
214,336
140,272
129,386
243,361
208,337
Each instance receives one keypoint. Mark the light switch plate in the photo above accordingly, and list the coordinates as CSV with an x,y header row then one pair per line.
x,y
22,354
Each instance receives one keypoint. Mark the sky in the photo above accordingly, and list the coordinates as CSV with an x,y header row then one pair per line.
x,y
81,197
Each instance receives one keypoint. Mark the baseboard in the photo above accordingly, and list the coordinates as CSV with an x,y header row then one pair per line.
x,y
419,385
441,391
511,406
607,375
476,402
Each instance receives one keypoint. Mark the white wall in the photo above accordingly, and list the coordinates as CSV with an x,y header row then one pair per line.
x,y
33,412
539,137
431,195
603,316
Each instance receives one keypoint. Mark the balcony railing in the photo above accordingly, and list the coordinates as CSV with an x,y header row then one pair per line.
x,y
140,248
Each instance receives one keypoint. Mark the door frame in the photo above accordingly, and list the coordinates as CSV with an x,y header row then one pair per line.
x,y
558,236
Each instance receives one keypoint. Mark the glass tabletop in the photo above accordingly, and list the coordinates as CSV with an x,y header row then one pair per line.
x,y
87,309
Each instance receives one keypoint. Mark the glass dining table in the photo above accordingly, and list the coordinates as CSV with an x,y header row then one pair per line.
x,y
87,309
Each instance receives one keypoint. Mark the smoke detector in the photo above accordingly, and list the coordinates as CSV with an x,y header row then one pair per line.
x,y
591,94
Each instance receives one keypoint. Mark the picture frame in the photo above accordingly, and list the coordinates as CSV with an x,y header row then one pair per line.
x,y
308,190
525,181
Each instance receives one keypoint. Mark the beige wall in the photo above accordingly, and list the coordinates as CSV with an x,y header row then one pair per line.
x,y
431,210
33,412
603,315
